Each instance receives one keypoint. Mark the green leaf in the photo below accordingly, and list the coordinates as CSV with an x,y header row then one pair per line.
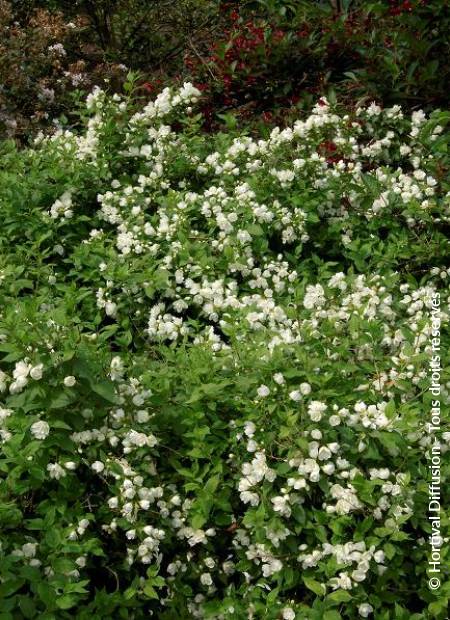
x,y
129,594
314,586
332,614
437,607
106,390
62,400
390,409
27,606
66,601
212,484
389,550
61,424
340,596
9,587
255,230
198,521
149,591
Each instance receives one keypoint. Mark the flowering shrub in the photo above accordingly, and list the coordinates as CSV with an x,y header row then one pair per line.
x,y
214,366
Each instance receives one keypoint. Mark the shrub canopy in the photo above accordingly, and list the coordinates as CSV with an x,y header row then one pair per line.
x,y
214,365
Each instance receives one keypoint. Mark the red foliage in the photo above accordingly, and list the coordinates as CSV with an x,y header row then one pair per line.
x,y
397,8
236,69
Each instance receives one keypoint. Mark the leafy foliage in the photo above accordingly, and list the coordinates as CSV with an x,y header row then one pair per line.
x,y
214,353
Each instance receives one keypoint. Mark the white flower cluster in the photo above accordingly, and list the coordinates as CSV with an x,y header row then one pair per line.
x,y
261,556
345,554
253,474
62,207
347,500
22,372
165,103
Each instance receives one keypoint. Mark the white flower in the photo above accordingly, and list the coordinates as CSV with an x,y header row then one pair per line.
x,y
58,49
288,613
342,581
17,386
4,413
314,296
111,309
69,381
116,368
113,502
248,497
295,395
249,429
281,505
62,207
263,391
29,550
55,471
252,446
40,429
324,453
98,467
206,579
142,416
315,410
305,389
328,468
378,556
21,370
36,372
273,566
365,610
358,575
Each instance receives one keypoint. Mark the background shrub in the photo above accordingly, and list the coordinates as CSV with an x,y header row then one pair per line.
x,y
256,59
274,55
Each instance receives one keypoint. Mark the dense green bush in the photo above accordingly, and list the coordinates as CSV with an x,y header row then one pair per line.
x,y
214,366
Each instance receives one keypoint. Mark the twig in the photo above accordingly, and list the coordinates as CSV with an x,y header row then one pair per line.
x,y
116,577
202,60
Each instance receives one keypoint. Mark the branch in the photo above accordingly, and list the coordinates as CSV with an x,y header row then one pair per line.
x,y
202,60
